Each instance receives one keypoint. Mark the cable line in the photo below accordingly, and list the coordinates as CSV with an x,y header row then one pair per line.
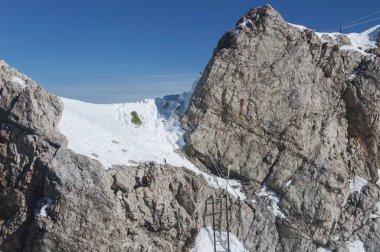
x,y
359,19
378,18
354,22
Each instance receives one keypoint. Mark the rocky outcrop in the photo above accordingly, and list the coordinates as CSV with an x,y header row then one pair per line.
x,y
28,141
283,108
291,114
53,199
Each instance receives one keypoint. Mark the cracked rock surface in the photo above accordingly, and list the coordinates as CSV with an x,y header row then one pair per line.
x,y
295,118
280,107
53,199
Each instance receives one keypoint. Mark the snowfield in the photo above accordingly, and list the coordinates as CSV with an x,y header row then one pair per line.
x,y
105,132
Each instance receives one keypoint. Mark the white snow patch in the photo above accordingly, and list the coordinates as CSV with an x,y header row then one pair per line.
x,y
323,249
352,76
105,132
301,27
205,241
336,238
234,187
357,183
377,213
266,192
18,81
245,23
359,41
46,202
355,246
378,182
288,183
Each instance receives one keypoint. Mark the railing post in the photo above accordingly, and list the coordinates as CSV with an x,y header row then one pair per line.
x,y
228,223
213,222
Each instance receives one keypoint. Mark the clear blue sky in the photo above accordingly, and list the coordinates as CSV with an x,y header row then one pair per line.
x,y
120,50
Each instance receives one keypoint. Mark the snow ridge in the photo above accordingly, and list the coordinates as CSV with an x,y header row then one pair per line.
x,y
360,42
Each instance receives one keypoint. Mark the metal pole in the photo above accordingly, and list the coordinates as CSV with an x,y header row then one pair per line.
x,y
228,223
213,222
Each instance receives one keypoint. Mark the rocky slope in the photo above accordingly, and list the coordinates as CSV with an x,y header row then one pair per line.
x,y
292,114
53,199
293,110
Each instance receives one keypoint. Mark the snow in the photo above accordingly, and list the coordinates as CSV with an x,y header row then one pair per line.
x,y
45,203
234,187
276,210
105,132
336,238
357,183
352,76
301,27
378,182
205,241
18,81
245,23
288,183
355,246
377,213
360,42
323,249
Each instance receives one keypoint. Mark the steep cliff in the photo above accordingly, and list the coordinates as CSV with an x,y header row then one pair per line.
x,y
296,111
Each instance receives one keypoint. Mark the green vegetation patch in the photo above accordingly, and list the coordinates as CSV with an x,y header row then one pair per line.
x,y
136,119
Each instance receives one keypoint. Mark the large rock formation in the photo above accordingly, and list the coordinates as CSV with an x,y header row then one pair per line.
x,y
55,200
284,108
288,112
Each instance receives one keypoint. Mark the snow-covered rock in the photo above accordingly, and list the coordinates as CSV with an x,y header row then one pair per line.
x,y
205,242
357,183
355,246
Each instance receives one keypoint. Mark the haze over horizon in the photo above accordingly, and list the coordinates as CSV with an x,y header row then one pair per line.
x,y
120,51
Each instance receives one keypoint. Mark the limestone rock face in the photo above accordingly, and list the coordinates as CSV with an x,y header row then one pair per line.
x,y
28,141
293,116
282,107
55,200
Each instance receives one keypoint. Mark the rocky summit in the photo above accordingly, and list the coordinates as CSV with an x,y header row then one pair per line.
x,y
284,108
291,113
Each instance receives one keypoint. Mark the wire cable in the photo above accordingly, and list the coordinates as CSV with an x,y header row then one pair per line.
x,y
359,19
354,22
378,18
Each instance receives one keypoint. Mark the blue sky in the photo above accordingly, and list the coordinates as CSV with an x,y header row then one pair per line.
x,y
119,50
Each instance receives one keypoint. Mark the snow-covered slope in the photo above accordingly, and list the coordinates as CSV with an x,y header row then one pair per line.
x,y
105,131
359,41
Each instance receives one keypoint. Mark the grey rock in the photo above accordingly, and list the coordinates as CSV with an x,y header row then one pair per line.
x,y
276,105
55,200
